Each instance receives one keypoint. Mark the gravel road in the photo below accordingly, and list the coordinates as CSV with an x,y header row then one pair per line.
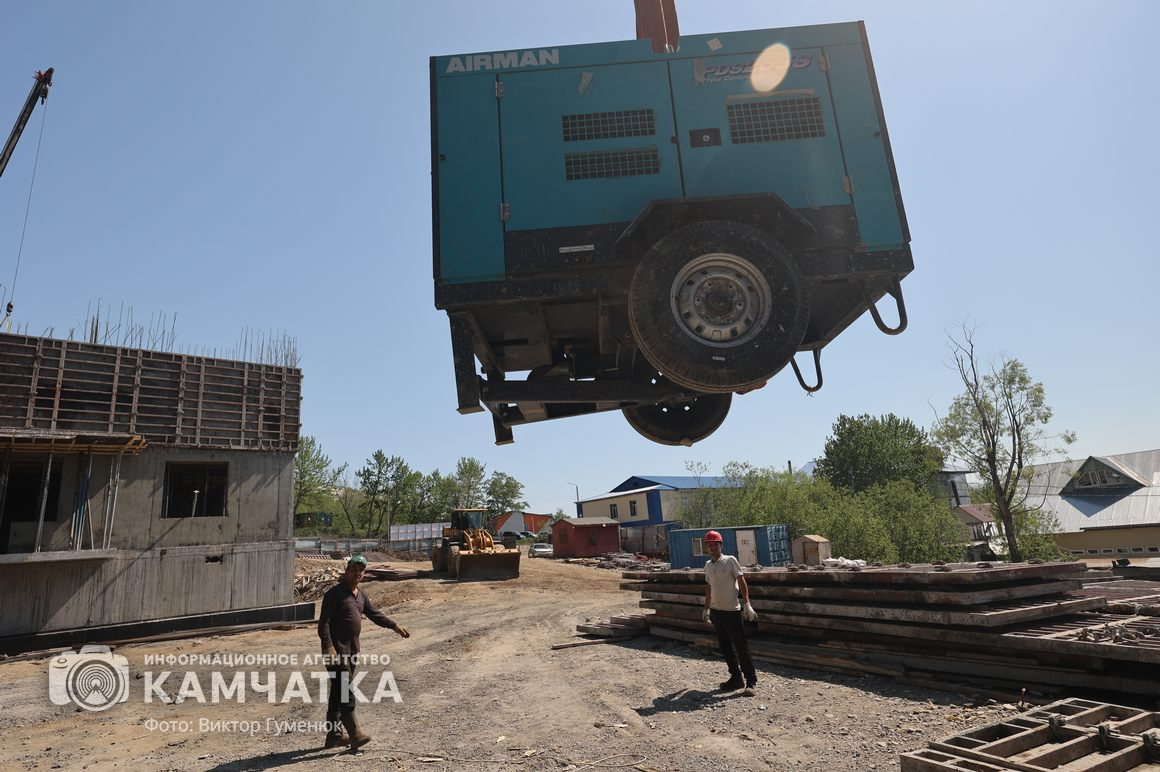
x,y
481,689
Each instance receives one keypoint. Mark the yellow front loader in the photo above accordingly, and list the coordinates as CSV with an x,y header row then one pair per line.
x,y
467,551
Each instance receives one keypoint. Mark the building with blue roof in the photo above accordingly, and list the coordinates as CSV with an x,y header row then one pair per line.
x,y
651,500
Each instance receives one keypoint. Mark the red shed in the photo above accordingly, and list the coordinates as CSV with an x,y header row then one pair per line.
x,y
585,537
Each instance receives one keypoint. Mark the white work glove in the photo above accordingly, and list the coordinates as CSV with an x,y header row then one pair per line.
x,y
748,614
705,617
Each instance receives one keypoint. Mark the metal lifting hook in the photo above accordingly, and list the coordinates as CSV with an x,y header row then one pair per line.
x,y
895,291
817,370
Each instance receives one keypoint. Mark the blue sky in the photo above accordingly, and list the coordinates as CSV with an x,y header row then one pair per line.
x,y
265,165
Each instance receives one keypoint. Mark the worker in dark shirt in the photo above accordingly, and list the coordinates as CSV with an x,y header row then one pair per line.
x,y
339,625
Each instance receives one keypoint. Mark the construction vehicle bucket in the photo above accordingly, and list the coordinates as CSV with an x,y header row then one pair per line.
x,y
488,565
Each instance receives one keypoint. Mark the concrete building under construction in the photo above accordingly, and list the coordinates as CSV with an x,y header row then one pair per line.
x,y
137,485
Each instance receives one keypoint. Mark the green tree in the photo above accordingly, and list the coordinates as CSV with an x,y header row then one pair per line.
x,y
1034,528
997,426
469,474
752,495
866,451
886,523
350,503
918,524
315,477
437,496
854,531
383,482
503,494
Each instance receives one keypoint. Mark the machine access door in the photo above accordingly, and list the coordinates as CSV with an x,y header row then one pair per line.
x,y
585,146
736,138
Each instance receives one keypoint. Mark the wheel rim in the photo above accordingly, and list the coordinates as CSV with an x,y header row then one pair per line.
x,y
721,299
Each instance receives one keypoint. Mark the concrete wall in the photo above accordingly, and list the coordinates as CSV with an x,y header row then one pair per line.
x,y
132,586
161,567
257,503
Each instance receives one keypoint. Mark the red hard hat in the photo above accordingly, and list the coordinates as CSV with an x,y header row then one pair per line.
x,y
714,536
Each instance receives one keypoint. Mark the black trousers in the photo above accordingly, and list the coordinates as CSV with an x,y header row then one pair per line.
x,y
343,673
734,645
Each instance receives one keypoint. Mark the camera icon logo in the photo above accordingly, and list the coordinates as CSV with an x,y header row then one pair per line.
x,y
93,678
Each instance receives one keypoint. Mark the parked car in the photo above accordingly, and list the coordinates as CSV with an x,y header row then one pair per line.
x,y
527,535
540,551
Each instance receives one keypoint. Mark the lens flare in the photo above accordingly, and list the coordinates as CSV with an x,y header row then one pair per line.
x,y
770,68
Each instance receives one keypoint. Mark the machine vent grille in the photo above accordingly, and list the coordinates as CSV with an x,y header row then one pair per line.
x,y
628,162
775,120
620,123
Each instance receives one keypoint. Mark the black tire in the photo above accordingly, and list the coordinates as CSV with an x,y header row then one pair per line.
x,y
453,562
680,423
718,306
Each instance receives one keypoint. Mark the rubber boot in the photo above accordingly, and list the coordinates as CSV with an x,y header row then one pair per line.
x,y
334,736
357,737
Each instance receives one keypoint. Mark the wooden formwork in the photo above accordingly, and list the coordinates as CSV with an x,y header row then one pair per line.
x,y
49,386
1072,735
954,596
925,574
984,631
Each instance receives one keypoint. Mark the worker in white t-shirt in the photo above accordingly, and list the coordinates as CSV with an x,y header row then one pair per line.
x,y
723,579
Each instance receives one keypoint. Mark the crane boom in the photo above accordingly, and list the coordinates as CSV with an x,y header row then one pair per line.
x,y
39,91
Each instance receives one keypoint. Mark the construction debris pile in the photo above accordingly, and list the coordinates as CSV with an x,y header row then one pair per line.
x,y
622,561
314,575
1006,631
1071,734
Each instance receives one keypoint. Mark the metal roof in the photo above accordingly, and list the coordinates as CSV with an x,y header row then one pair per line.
x,y
617,494
687,482
588,521
1094,509
975,513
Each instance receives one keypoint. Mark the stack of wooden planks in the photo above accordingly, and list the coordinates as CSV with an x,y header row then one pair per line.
x,y
384,572
1073,734
1006,630
618,626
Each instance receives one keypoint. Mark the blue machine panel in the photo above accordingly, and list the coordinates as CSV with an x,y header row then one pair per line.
x,y
863,137
470,228
586,145
735,139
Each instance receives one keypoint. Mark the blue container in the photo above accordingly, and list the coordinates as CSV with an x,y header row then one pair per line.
x,y
764,545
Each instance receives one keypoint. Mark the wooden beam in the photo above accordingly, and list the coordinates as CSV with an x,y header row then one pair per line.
x,y
591,642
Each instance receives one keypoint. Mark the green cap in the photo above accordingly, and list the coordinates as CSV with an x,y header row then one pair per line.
x,y
356,560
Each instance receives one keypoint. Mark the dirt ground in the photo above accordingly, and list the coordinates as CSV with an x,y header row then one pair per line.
x,y
482,689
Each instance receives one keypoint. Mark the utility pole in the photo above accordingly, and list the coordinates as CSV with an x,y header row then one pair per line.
x,y
577,487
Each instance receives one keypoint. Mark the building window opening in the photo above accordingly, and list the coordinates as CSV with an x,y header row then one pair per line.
x,y
196,490
21,502
632,508
698,547
614,511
